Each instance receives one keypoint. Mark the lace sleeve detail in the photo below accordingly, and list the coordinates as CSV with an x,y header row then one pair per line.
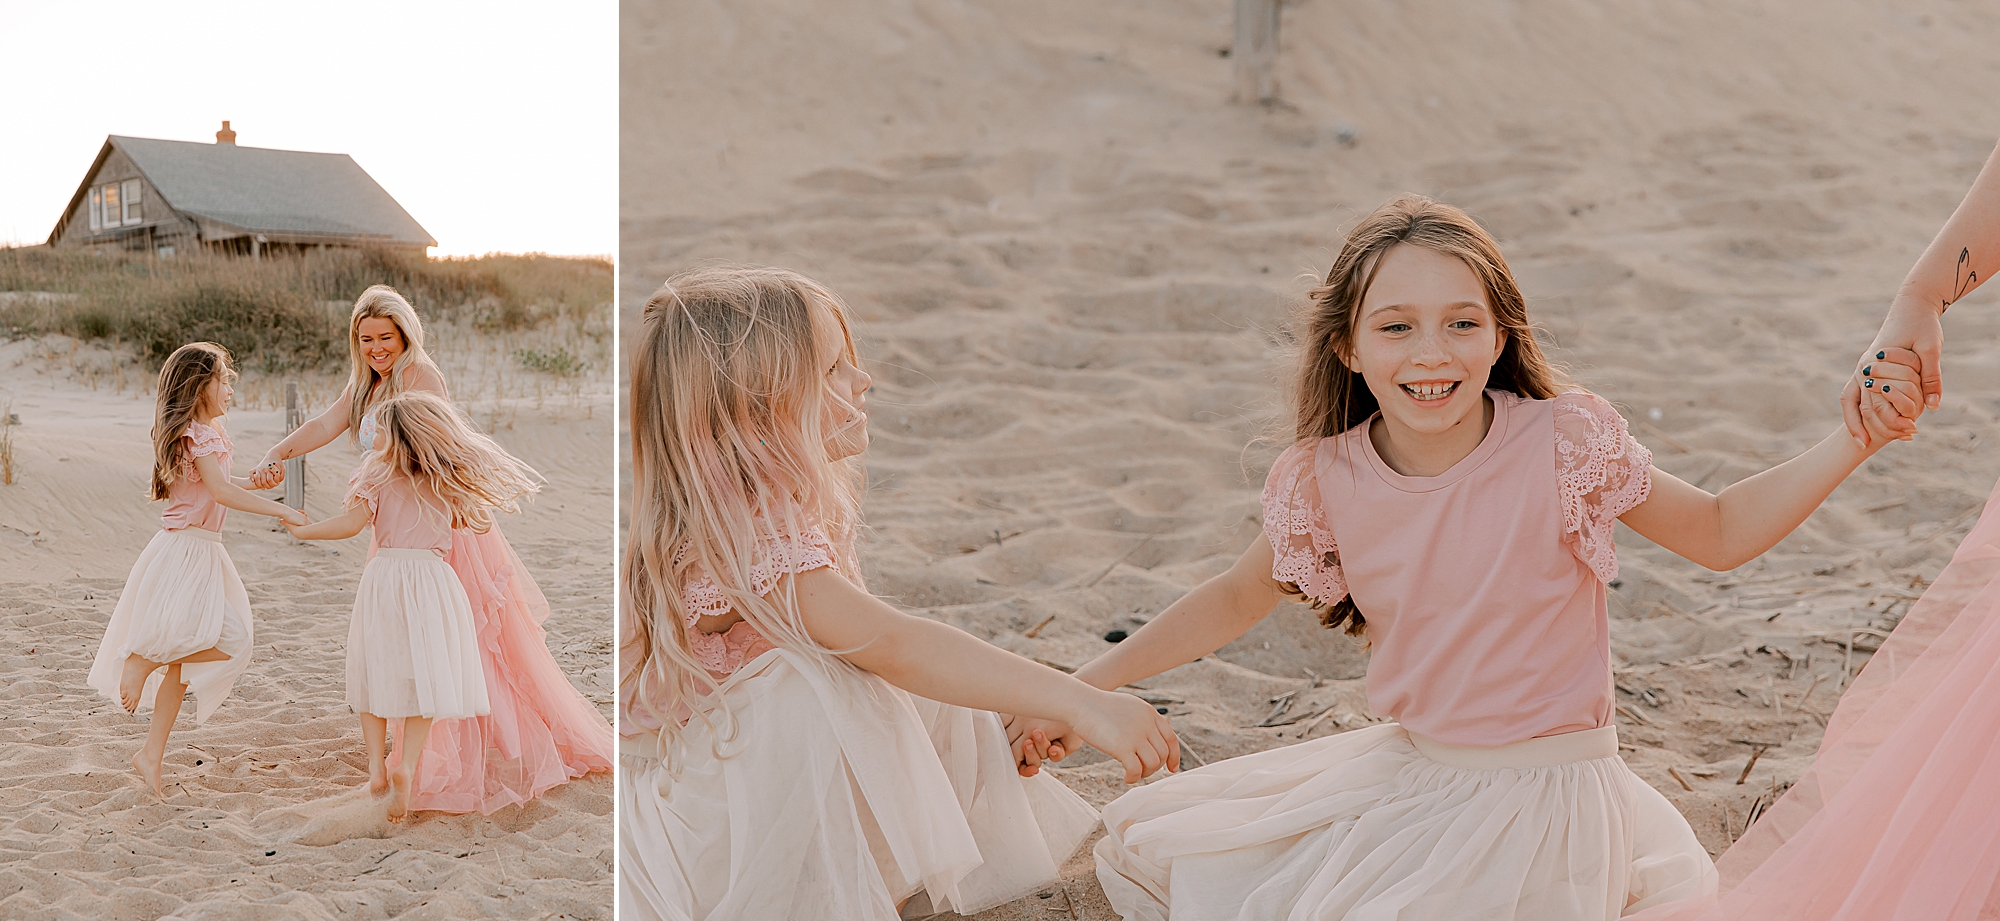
x,y
1601,473
203,440
1302,547
778,555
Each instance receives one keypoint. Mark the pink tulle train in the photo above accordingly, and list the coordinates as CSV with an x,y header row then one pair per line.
x,y
541,732
1899,816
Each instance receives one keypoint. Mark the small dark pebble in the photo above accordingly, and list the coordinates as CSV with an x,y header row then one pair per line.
x,y
1163,710
1048,895
1115,636
197,762
270,853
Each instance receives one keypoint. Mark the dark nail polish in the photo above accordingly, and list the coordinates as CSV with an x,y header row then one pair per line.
x,y
1868,384
1867,370
1885,388
1881,355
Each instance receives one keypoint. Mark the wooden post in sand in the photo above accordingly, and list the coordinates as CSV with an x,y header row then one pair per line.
x,y
1255,51
295,469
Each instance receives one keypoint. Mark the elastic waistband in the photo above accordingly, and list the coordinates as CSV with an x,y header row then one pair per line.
x,y
1547,751
193,531
407,553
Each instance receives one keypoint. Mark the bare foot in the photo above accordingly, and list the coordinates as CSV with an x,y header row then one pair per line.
x,y
378,777
132,681
149,771
399,794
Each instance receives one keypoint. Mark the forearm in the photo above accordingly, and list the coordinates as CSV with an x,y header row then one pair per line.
x,y
1966,251
1725,531
1201,622
341,527
230,495
948,665
315,434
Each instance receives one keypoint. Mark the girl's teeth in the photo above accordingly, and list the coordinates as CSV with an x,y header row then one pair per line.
x,y
1428,391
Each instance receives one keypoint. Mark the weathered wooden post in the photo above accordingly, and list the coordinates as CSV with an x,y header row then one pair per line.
x,y
295,469
1255,52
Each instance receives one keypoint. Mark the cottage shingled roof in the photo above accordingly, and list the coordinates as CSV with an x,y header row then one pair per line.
x,y
263,190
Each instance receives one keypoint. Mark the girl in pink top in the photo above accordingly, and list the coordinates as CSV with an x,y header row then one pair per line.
x,y
794,747
184,613
412,647
1451,496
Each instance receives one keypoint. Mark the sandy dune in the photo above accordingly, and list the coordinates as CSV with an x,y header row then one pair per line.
x,y
82,839
1071,257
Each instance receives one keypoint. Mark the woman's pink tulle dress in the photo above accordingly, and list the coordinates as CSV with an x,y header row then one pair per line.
x,y
1899,817
541,731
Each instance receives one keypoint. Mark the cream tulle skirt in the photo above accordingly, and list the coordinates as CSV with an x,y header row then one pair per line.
x,y
840,796
1899,817
1367,826
411,647
182,597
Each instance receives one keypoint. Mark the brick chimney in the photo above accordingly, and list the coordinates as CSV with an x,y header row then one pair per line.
x,y
225,136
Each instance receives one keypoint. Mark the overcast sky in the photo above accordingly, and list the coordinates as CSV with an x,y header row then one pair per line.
x,y
494,123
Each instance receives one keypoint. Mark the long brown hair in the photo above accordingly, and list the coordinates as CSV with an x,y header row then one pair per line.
x,y
729,415
1328,397
184,379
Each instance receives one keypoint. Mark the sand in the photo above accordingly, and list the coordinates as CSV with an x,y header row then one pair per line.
x,y
261,819
1070,257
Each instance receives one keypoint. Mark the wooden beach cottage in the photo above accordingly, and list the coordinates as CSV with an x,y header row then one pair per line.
x,y
169,197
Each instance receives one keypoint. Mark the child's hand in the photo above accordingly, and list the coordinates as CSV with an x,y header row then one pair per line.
x,y
295,519
1037,740
1128,729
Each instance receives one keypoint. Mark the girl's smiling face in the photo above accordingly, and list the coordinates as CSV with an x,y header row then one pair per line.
x,y
846,424
381,343
1425,341
216,395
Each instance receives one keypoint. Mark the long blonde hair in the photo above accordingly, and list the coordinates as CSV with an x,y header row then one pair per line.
x,y
728,443
184,378
381,302
420,436
1328,397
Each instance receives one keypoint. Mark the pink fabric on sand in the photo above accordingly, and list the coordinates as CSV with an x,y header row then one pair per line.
x,y
1898,819
541,732
1483,587
188,503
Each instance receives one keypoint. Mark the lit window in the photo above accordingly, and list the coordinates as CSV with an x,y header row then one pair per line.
x,y
96,209
111,218
128,197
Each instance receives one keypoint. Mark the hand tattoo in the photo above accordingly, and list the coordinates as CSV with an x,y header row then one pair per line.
x,y
1967,278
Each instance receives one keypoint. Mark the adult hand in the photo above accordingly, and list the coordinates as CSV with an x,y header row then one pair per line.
x,y
268,474
1912,335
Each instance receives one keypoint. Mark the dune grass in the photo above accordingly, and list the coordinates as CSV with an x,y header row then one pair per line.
x,y
286,313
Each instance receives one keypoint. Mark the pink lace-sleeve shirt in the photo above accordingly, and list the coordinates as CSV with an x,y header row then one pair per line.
x,y
780,554
189,504
1483,587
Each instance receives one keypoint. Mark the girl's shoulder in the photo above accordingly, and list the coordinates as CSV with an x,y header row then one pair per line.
x,y
206,438
788,543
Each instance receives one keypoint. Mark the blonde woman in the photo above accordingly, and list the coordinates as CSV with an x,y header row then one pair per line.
x,y
540,732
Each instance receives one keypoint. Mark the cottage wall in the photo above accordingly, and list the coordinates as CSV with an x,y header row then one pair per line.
x,y
161,231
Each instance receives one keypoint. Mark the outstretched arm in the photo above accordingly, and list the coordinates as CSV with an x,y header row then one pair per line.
x,y
1960,259
1727,530
229,495
1202,621
946,664
316,433
347,524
